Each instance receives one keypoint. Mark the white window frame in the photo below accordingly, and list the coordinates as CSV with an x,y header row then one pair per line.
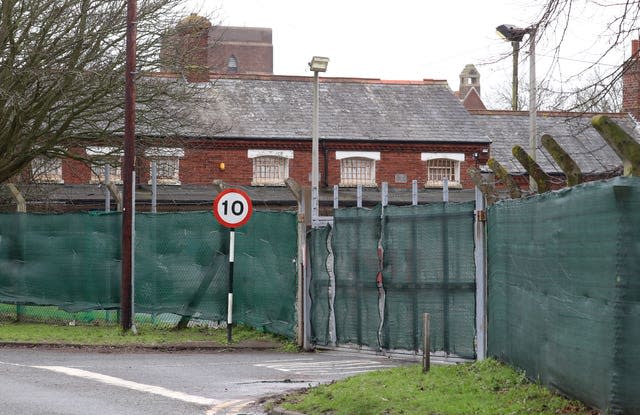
x,y
280,160
47,170
165,155
115,168
360,157
432,158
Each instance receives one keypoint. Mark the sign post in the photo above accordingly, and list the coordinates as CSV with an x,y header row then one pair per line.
x,y
232,209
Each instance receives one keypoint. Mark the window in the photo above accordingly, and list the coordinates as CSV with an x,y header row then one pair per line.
x,y
270,167
47,170
232,64
357,167
104,157
441,166
167,162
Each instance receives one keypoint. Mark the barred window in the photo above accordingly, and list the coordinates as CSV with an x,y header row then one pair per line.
x,y
106,156
270,170
441,166
115,173
167,170
439,169
167,161
357,170
47,170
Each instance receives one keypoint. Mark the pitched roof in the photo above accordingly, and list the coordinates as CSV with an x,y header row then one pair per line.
x,y
573,131
280,107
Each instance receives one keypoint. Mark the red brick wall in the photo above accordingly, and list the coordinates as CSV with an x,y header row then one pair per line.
x,y
252,47
631,84
202,162
202,159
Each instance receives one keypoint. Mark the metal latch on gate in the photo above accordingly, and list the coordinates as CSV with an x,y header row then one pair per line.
x,y
481,215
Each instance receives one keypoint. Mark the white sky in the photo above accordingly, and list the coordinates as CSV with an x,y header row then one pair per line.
x,y
410,39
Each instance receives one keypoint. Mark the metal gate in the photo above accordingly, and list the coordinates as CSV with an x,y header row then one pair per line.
x,y
376,271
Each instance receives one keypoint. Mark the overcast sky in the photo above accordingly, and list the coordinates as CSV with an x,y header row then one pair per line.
x,y
404,39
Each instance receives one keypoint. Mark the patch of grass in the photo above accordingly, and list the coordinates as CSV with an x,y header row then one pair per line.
x,y
147,335
486,387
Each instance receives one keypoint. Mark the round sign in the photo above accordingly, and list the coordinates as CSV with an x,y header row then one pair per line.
x,y
232,208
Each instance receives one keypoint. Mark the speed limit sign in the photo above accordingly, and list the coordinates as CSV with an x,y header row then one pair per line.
x,y
232,208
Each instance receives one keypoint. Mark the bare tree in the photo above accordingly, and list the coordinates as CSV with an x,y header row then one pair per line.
x,y
617,23
62,78
598,93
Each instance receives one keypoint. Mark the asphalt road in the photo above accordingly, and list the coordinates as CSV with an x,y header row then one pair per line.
x,y
69,382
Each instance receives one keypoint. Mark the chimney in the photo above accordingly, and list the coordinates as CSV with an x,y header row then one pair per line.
x,y
469,78
631,82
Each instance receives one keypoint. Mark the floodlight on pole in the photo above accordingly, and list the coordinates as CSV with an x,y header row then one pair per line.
x,y
515,34
317,64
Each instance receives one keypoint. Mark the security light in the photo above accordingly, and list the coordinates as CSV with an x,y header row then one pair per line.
x,y
511,32
319,64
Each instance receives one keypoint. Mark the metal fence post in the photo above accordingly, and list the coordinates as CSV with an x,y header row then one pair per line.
x,y
426,343
445,190
107,193
303,329
481,276
154,186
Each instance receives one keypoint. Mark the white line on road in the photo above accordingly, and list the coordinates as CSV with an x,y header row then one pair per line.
x,y
327,367
141,387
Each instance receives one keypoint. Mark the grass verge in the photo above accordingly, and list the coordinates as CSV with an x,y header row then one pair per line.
x,y
13,332
486,387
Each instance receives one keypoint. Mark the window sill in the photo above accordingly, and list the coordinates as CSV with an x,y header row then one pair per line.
x,y
166,182
438,185
350,184
268,184
49,181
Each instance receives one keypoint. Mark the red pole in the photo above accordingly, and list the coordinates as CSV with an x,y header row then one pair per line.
x,y
128,166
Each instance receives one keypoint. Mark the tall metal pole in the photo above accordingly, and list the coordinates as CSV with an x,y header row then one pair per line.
x,y
514,81
127,169
532,102
315,169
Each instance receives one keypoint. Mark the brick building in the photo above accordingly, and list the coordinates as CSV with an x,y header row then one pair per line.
x,y
631,82
196,48
371,131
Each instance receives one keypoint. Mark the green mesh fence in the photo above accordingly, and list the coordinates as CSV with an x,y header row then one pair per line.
x,y
321,286
430,268
427,267
72,261
564,290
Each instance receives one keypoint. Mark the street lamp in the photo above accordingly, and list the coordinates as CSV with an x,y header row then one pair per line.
x,y
514,35
317,64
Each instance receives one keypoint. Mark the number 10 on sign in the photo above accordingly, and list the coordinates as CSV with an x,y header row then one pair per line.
x,y
232,208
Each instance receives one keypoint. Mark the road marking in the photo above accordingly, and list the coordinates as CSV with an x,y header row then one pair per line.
x,y
141,387
231,407
220,407
346,367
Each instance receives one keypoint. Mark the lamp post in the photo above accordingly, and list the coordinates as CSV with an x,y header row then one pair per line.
x,y
317,64
514,35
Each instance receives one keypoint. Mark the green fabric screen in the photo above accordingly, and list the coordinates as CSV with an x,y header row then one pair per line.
x,y
564,290
181,265
427,267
